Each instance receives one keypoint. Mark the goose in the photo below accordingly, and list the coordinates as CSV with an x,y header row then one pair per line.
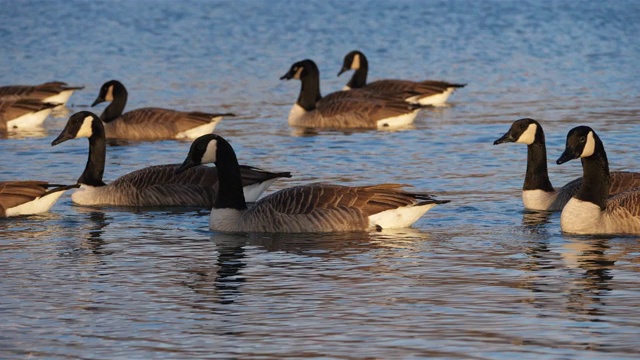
x,y
23,113
343,109
426,92
315,207
55,92
148,124
537,191
151,186
28,197
591,210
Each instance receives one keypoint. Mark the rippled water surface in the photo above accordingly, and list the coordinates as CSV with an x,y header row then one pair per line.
x,y
475,278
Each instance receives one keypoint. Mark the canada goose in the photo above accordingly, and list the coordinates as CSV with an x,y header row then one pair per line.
x,y
23,113
147,124
426,92
55,92
151,186
307,208
343,109
590,210
537,191
28,197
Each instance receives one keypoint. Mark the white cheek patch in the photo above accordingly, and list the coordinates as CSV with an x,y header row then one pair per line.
x,y
109,96
529,136
298,73
355,65
85,129
589,147
209,155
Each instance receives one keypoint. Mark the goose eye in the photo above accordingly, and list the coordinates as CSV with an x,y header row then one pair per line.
x,y
200,146
582,139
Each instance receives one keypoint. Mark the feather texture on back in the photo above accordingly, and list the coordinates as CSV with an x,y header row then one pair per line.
x,y
315,207
151,123
151,186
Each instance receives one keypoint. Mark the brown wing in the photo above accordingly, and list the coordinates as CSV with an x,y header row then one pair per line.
x,y
14,193
42,91
623,181
365,199
356,108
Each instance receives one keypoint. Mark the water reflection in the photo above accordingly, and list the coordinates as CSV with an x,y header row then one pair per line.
x,y
17,134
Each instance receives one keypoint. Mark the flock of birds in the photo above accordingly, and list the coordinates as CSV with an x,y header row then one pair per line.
x,y
599,202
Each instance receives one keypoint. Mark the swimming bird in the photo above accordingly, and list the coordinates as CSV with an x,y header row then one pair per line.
x,y
426,92
23,113
537,191
591,210
307,208
28,197
343,109
151,186
151,123
55,92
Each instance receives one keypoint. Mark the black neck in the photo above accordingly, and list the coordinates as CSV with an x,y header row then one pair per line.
x,y
94,170
537,176
230,193
595,177
359,77
116,107
309,91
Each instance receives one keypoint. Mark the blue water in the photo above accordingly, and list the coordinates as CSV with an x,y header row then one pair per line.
x,y
476,278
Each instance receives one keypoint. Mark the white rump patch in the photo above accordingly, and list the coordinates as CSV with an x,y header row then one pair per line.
x,y
397,121
529,136
60,98
434,100
36,206
589,147
198,131
400,217
29,120
253,192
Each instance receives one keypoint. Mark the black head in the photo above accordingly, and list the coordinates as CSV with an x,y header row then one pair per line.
x,y
80,124
582,142
204,150
300,70
352,61
524,131
109,91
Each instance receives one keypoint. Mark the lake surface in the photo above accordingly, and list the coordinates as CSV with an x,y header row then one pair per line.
x,y
476,278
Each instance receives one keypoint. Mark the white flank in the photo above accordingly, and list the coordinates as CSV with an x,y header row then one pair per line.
x,y
399,218
582,217
36,206
538,199
198,131
398,121
589,147
60,98
29,120
435,100
225,220
252,192
529,136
